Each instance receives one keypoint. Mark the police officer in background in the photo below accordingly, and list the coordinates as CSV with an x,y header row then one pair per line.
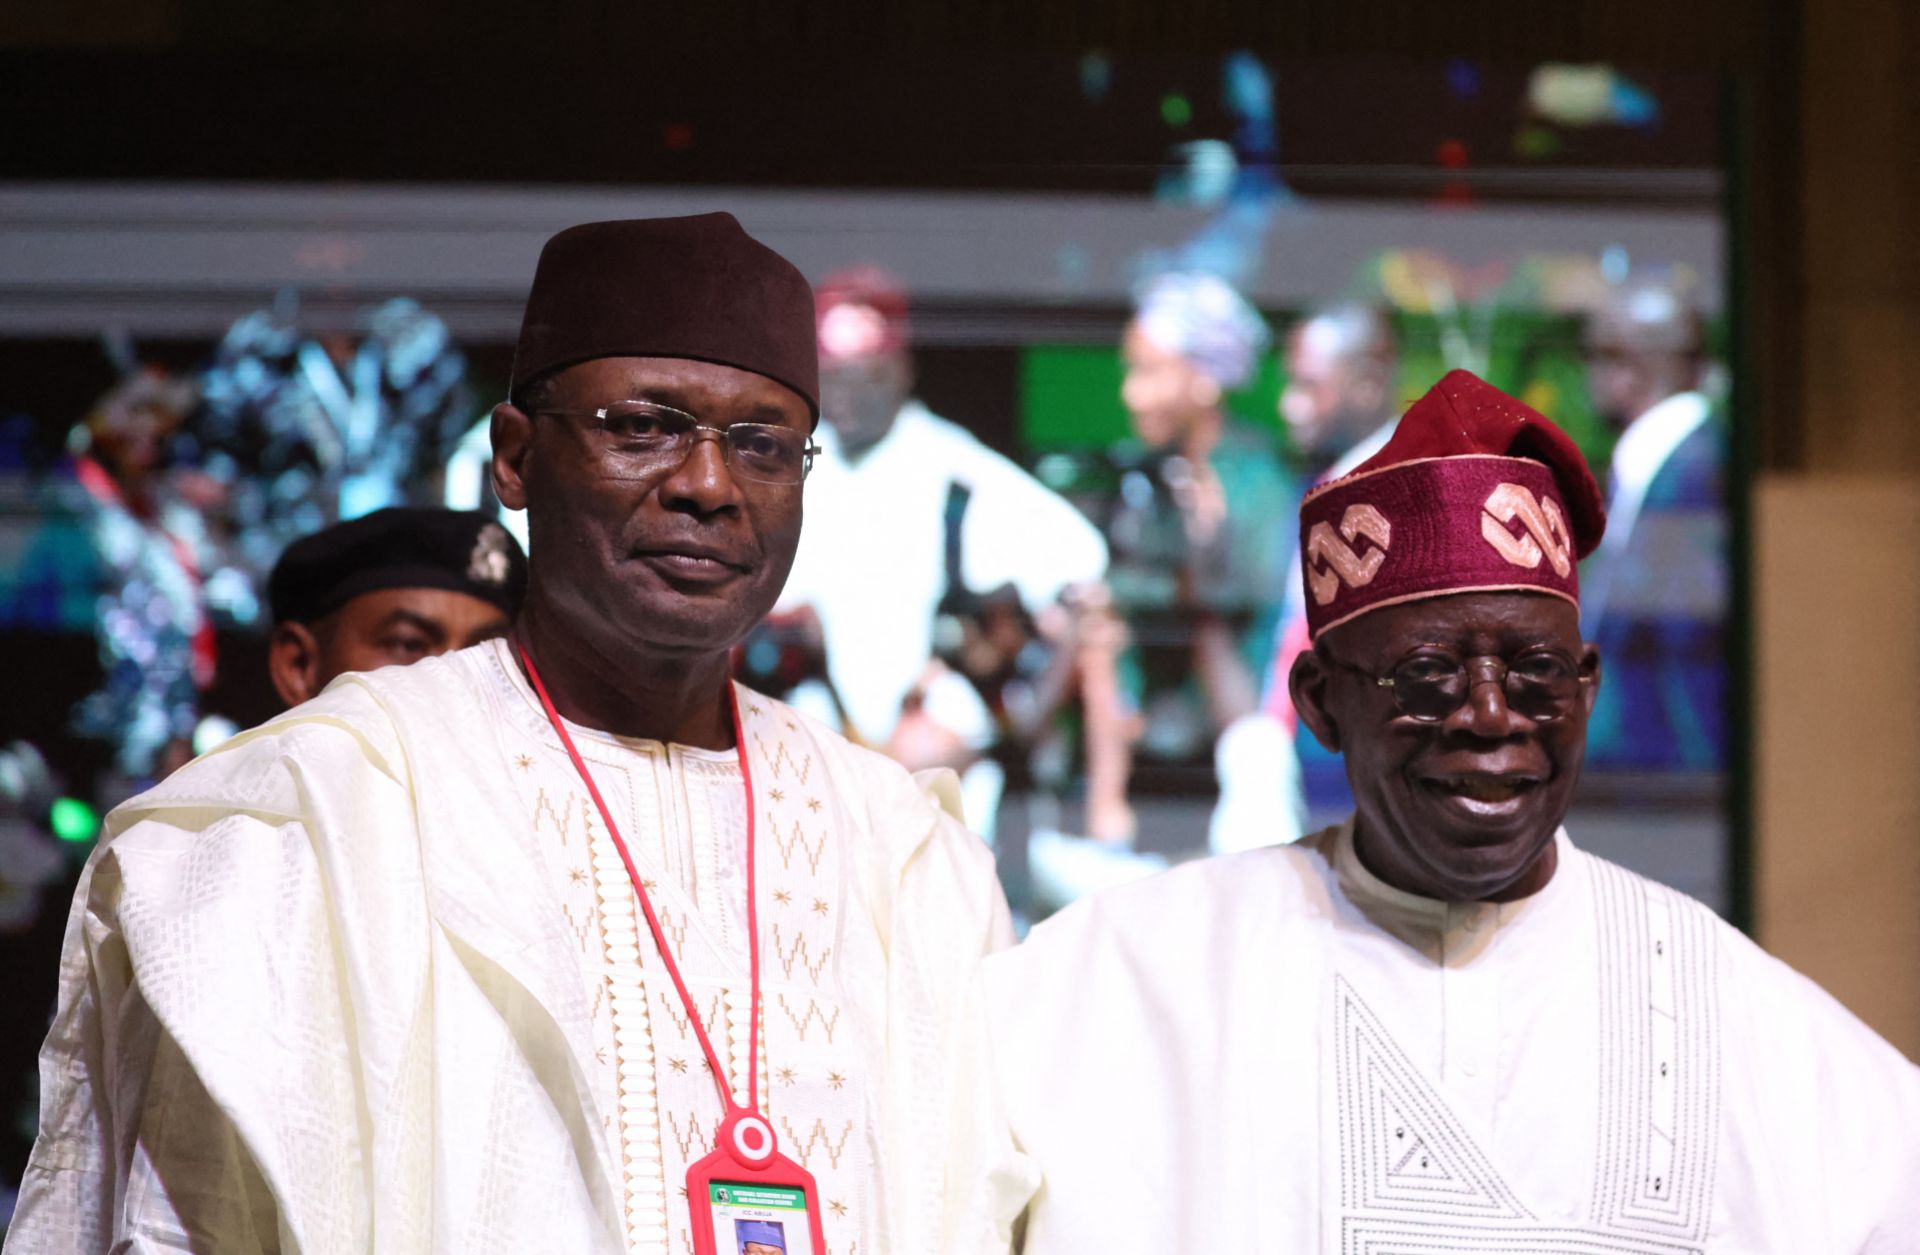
x,y
388,589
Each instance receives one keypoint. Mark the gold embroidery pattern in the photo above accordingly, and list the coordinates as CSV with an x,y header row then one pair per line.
x,y
1545,534
661,1118
578,927
676,929
797,951
658,1120
559,819
631,1030
801,1023
817,1140
782,760
797,839
709,1018
694,1135
1331,563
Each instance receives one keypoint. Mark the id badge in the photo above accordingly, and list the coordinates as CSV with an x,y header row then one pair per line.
x,y
746,1198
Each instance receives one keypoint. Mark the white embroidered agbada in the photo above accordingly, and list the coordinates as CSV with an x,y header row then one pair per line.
x,y
385,964
1275,1052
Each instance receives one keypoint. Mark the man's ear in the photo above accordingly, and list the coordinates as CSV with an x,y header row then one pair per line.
x,y
293,661
512,433
1307,684
1590,665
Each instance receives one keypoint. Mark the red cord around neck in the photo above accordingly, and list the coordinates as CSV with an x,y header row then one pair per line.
x,y
646,904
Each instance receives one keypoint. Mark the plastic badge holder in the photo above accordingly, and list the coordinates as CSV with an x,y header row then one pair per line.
x,y
745,1191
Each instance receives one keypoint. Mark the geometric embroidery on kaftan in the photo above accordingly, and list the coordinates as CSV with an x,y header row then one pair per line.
x,y
1400,1147
1413,1181
802,901
660,1110
1659,1058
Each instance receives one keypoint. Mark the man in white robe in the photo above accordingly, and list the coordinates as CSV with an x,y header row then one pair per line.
x,y
901,490
1439,1026
370,978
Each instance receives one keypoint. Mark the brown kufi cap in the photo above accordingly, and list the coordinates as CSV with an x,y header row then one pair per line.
x,y
697,287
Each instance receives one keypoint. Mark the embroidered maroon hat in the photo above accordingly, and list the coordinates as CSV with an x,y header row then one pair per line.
x,y
696,287
1475,492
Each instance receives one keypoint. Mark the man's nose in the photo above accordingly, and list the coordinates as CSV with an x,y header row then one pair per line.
x,y
702,482
1486,707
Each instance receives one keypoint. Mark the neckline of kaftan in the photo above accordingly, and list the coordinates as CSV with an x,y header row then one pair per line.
x,y
532,716
650,1091
516,701
1446,932
1608,975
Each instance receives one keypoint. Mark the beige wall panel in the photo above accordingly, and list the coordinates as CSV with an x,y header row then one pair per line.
x,y
1837,708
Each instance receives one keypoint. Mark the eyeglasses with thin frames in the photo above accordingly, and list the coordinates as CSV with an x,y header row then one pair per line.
x,y
1428,685
641,439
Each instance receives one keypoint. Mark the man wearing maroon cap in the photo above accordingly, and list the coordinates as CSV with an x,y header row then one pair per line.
x,y
501,950
1439,1026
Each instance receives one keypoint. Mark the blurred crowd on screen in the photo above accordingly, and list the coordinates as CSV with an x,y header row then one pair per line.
x,y
1088,614
1095,635
1069,629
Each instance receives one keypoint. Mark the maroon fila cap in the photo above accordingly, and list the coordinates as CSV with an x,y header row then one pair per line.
x,y
1475,492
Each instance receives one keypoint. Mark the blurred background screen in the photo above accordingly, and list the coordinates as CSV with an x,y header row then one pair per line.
x,y
1092,326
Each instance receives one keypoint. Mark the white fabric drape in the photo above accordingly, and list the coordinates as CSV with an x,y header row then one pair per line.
x,y
319,994
1273,1051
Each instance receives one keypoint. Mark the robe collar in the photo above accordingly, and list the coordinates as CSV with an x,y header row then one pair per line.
x,y
611,751
1446,932
497,902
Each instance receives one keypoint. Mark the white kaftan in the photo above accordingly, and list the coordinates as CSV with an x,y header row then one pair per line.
x,y
368,979
888,512
1275,1052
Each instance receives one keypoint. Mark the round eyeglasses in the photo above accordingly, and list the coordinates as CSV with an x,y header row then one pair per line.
x,y
640,439
1429,685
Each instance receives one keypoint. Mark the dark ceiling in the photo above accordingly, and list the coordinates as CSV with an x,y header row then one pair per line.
x,y
918,118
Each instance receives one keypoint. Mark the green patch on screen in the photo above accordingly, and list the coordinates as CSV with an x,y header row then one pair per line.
x,y
1070,393
1070,397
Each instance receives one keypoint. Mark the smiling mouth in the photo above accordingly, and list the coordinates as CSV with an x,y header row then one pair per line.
x,y
1489,795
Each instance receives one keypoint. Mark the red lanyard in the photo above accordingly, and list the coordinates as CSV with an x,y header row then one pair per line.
x,y
653,921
